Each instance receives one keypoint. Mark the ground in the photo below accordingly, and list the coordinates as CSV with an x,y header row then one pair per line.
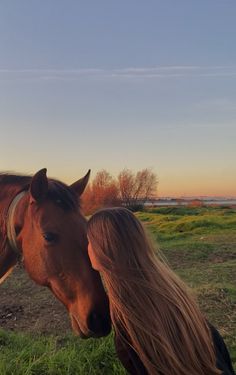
x,y
27,307
200,246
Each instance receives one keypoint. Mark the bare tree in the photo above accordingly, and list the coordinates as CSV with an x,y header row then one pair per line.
x,y
126,183
102,179
147,180
133,188
130,189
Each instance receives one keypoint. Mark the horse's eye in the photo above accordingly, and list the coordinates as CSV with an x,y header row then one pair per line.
x,y
50,237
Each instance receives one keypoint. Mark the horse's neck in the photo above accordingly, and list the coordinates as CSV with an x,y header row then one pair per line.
x,y
7,194
8,257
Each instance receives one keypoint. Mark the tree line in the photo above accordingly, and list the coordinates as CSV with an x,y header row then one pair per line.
x,y
128,188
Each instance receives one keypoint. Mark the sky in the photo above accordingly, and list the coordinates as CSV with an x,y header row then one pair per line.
x,y
121,84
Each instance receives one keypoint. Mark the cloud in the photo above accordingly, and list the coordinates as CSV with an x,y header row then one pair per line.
x,y
156,72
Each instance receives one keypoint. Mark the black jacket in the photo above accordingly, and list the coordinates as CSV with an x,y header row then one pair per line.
x,y
134,366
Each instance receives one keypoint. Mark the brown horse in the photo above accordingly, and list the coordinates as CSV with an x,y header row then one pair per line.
x,y
41,222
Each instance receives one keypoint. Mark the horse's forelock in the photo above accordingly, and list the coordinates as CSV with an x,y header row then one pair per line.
x,y
62,195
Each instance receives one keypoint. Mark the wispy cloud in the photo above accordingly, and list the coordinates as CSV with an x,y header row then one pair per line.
x,y
157,72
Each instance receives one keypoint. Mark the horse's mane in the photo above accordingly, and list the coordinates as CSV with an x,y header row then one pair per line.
x,y
58,192
14,179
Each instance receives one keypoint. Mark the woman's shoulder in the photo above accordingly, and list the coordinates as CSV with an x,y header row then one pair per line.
x,y
223,360
128,357
132,363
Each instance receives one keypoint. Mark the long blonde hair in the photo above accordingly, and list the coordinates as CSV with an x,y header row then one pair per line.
x,y
148,302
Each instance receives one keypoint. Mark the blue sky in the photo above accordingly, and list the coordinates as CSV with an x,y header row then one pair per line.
x,y
114,84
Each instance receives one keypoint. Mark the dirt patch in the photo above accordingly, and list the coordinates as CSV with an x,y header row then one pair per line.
x,y
27,307
221,256
9,313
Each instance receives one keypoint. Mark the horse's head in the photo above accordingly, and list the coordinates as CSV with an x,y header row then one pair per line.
x,y
51,233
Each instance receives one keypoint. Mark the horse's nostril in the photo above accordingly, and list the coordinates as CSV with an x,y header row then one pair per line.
x,y
93,321
98,324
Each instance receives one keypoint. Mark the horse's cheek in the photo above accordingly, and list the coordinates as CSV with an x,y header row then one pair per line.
x,y
34,265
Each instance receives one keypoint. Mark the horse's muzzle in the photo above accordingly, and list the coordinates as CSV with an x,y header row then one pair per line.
x,y
98,325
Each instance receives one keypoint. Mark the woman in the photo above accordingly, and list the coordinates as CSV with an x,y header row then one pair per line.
x,y
159,328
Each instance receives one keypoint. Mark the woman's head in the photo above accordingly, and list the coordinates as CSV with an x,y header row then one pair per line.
x,y
117,241
147,300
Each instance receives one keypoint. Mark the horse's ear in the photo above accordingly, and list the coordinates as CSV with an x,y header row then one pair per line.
x,y
39,185
81,184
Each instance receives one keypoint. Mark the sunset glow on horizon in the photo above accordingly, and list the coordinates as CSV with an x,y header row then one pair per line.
x,y
121,85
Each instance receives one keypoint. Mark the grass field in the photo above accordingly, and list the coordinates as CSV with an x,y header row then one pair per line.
x,y
199,244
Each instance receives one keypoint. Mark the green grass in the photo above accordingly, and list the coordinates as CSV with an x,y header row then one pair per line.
x,y
199,244
37,355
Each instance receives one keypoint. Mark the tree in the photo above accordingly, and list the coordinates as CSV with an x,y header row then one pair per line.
x,y
129,189
135,188
147,184
126,181
88,203
103,192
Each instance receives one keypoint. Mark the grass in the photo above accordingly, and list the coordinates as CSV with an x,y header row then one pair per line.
x,y
30,355
200,245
